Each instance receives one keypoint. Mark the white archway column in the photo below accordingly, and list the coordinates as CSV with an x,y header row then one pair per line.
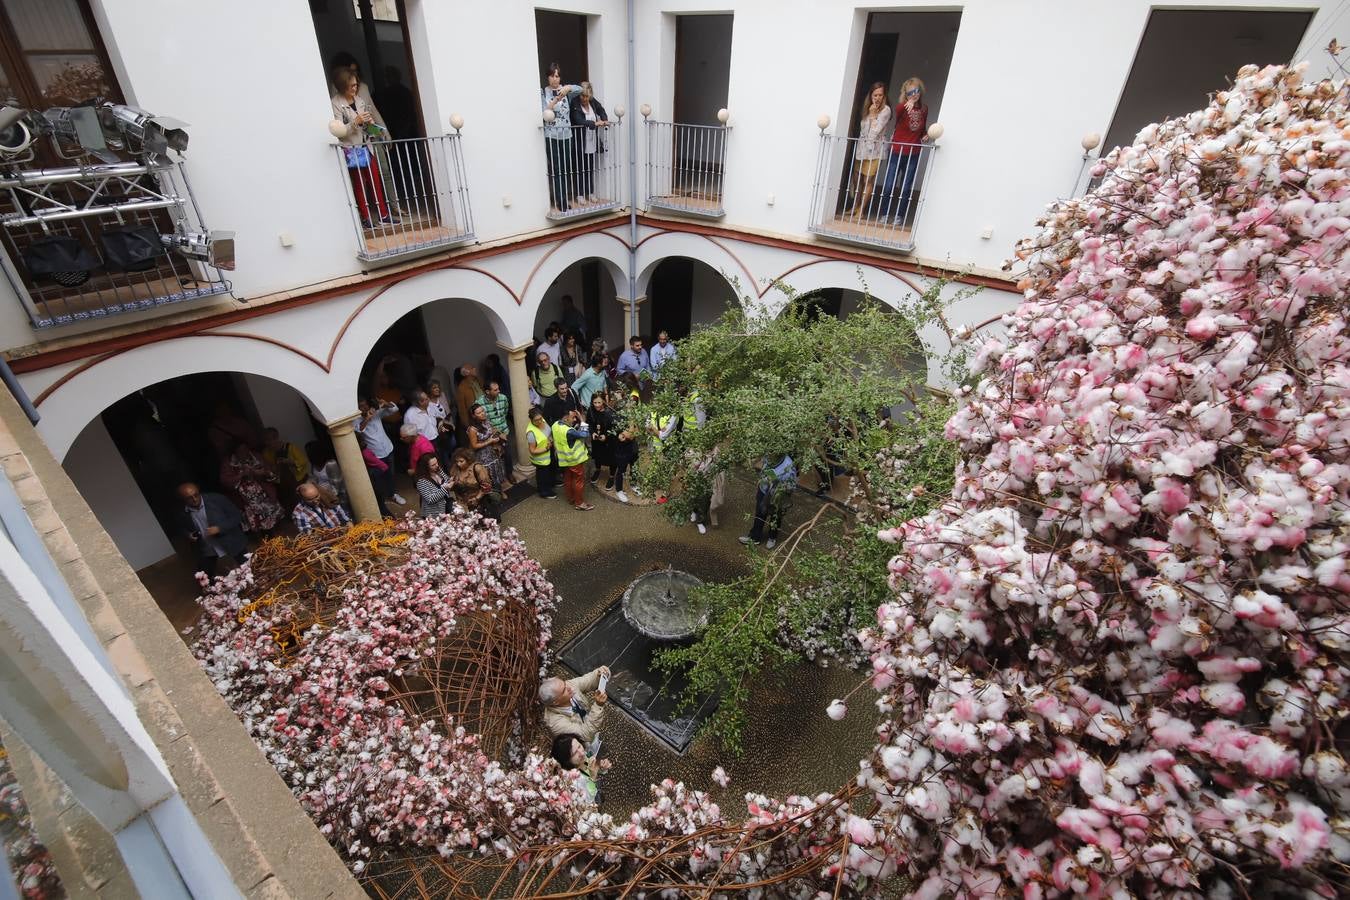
x,y
629,313
520,407
359,490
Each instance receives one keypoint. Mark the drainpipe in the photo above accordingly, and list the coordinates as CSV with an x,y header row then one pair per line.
x,y
632,176
29,410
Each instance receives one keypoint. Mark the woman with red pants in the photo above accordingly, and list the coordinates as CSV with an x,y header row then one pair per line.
x,y
353,124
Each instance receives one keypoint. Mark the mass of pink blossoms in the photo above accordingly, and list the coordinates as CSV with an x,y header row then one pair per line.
x,y
378,779
370,773
1119,657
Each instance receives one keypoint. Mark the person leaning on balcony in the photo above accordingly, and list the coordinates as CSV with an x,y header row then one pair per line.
x,y
353,123
557,97
588,123
911,126
215,527
875,119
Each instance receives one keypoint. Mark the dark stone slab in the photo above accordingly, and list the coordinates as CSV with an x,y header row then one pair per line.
x,y
636,685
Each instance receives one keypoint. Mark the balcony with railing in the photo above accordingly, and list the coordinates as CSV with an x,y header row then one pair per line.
x,y
686,166
408,197
115,231
584,164
871,193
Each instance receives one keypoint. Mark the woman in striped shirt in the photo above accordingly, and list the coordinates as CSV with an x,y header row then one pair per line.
x,y
433,486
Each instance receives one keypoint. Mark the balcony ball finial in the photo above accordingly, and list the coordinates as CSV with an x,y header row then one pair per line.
x,y
1090,141
337,129
619,112
935,131
456,121
822,123
549,116
723,115
645,109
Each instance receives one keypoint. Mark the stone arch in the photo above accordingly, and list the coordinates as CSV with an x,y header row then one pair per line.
x,y
609,249
890,288
657,248
88,389
478,291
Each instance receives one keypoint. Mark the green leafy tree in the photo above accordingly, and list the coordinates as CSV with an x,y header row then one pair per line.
x,y
813,386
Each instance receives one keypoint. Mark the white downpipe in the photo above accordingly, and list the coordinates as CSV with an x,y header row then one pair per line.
x,y
632,176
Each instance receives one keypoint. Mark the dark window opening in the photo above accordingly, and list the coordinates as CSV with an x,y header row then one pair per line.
x,y
1187,54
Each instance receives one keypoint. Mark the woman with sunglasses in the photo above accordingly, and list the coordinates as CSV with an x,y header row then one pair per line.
x,y
911,126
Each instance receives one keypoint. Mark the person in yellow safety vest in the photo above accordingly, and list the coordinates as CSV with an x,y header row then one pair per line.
x,y
693,415
569,440
537,436
660,428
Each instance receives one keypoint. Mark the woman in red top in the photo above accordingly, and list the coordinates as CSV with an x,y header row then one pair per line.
x,y
911,126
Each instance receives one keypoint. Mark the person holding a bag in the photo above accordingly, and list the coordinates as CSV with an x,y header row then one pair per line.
x,y
352,113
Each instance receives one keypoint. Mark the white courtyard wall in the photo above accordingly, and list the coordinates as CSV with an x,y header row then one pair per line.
x,y
104,480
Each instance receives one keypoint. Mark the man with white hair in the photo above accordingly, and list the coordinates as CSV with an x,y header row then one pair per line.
x,y
567,709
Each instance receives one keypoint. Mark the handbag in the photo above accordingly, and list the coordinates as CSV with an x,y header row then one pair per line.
x,y
357,157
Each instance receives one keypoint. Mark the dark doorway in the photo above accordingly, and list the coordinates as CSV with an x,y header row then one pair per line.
x,y
405,354
702,67
561,39
897,46
671,293
373,33
182,429
590,298
878,59
824,302
1187,54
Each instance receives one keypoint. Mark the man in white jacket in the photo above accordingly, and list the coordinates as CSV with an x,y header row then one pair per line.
x,y
567,710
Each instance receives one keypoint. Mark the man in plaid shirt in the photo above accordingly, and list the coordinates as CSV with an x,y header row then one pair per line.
x,y
311,512
498,407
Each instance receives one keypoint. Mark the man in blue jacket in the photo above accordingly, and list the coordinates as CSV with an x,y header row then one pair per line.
x,y
214,525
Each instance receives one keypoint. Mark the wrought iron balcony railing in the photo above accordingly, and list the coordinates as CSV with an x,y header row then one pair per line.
x,y
585,170
870,195
93,240
407,197
686,165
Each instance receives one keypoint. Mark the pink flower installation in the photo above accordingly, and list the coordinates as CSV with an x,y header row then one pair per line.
x,y
1117,660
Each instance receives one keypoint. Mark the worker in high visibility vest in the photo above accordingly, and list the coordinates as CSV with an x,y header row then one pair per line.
x,y
538,438
569,441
